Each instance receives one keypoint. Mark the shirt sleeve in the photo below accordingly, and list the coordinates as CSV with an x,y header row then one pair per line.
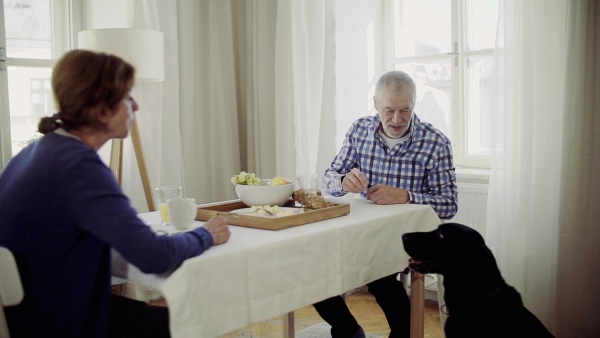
x,y
343,162
98,206
441,191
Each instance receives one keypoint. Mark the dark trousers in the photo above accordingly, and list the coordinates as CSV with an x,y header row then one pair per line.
x,y
131,318
391,297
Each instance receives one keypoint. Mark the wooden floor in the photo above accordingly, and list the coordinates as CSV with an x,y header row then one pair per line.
x,y
362,305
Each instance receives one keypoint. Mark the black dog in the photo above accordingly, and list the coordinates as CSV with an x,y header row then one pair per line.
x,y
478,300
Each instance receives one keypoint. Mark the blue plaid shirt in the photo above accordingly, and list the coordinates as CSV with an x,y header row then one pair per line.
x,y
422,165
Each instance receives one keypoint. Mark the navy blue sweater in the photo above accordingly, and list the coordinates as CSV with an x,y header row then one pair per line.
x,y
61,210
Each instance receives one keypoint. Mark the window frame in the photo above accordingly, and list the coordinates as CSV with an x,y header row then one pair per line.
x,y
459,58
65,25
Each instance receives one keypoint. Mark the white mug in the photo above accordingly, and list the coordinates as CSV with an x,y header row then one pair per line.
x,y
182,212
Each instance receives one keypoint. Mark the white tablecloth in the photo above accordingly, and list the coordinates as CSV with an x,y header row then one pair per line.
x,y
260,274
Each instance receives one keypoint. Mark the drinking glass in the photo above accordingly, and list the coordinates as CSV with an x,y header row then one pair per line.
x,y
308,182
163,194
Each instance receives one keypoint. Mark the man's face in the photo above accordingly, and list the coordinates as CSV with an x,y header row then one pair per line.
x,y
395,111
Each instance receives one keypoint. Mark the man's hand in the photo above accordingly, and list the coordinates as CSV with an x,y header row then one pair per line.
x,y
384,194
218,228
354,181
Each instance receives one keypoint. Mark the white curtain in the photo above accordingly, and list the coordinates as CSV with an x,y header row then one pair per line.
x,y
254,79
577,295
248,86
285,75
305,56
208,93
538,124
255,23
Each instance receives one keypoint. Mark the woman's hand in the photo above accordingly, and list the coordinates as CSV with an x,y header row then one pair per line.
x,y
218,228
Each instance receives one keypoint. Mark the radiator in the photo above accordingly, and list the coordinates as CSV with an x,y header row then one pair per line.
x,y
472,210
472,206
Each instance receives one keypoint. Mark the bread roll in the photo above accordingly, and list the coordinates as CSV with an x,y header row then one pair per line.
x,y
311,201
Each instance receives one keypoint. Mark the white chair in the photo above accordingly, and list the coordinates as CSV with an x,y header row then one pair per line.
x,y
11,290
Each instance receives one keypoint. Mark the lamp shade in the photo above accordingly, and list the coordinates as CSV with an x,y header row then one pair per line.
x,y
143,48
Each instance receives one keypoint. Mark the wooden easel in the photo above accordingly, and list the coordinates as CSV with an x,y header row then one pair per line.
x,y
116,162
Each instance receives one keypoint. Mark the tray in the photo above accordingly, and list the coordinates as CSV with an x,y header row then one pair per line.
x,y
270,223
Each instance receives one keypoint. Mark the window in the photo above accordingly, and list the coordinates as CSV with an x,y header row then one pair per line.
x,y
33,33
447,46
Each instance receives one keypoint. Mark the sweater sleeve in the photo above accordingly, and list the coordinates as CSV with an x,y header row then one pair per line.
x,y
99,206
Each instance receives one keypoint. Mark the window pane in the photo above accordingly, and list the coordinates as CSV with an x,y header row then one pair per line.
x,y
433,80
422,27
28,29
482,20
30,98
478,83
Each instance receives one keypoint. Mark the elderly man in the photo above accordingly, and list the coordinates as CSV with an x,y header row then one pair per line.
x,y
390,158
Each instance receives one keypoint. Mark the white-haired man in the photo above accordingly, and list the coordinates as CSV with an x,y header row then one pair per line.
x,y
390,158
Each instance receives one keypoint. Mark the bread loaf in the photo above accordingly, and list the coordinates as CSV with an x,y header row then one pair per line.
x,y
311,201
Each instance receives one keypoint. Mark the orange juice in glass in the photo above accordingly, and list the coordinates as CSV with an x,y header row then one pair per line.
x,y
164,213
163,194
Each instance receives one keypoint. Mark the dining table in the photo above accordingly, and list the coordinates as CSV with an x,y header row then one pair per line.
x,y
260,274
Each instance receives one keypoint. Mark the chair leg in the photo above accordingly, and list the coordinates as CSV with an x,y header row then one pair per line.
x,y
441,303
3,324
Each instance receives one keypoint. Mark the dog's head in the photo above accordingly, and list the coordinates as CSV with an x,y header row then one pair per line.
x,y
449,247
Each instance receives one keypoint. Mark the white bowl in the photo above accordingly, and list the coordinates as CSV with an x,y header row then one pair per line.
x,y
264,194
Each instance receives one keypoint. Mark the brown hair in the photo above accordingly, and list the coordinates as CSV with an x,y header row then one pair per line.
x,y
84,83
